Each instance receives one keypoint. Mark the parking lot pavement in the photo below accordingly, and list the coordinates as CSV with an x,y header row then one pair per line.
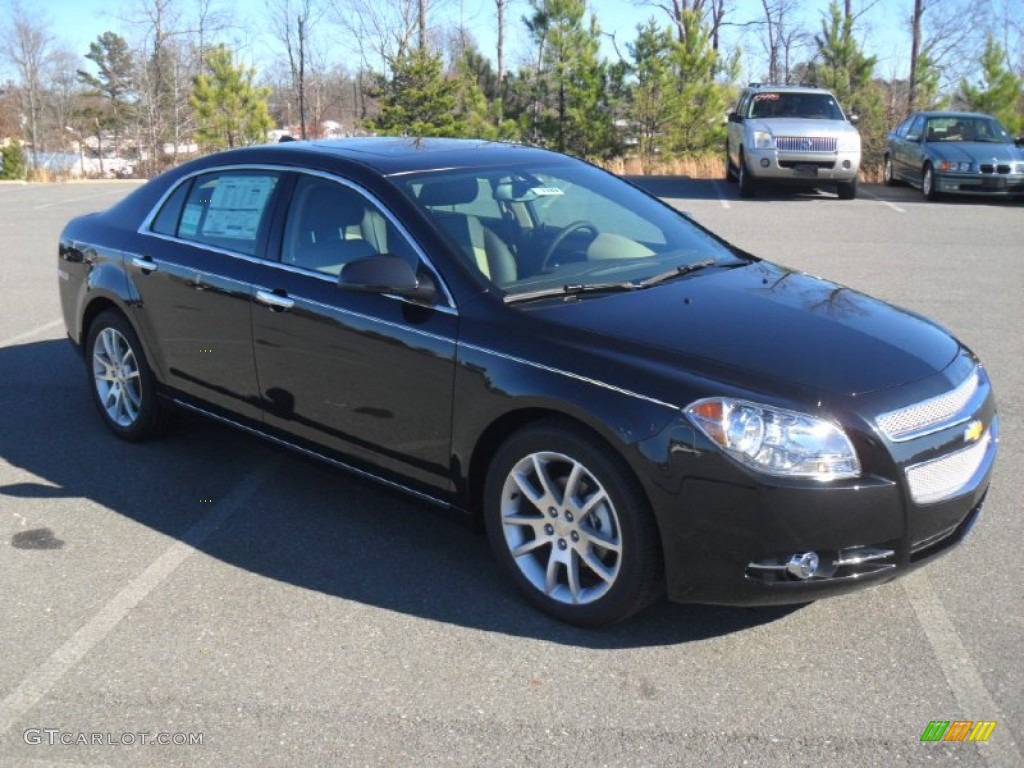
x,y
210,587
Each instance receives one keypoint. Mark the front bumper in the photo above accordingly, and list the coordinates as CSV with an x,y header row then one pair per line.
x,y
730,533
805,168
988,185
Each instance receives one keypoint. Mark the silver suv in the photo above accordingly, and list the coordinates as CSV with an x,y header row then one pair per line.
x,y
793,134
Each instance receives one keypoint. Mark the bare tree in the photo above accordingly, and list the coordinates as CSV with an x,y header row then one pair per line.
x,y
28,47
779,37
711,11
915,53
291,21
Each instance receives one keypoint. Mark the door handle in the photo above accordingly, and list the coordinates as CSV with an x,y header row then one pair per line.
x,y
145,264
275,301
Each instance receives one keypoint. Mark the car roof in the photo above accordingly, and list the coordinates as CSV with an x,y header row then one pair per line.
x,y
781,87
952,113
392,156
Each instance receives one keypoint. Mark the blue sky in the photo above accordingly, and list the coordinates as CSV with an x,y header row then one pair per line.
x,y
883,31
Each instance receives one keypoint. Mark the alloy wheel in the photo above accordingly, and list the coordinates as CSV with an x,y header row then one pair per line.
x,y
117,377
561,528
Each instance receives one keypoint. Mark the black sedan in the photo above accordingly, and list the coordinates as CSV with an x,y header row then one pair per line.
x,y
963,153
627,403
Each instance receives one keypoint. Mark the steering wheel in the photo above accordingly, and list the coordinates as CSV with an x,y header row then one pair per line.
x,y
563,234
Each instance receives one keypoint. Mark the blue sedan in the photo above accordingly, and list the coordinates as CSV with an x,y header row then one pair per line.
x,y
955,152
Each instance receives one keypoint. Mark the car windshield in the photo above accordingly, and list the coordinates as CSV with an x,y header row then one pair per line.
x,y
809,106
987,130
548,227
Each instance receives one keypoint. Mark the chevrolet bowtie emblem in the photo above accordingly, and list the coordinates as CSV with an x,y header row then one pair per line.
x,y
973,431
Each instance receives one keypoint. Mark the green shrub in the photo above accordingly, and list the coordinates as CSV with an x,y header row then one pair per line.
x,y
13,164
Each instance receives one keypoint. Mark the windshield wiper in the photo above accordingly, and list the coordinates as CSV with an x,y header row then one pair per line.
x,y
679,271
576,289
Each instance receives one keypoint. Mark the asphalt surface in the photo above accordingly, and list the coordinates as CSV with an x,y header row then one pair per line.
x,y
213,586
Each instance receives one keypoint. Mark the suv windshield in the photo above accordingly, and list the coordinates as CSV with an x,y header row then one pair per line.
x,y
530,229
811,106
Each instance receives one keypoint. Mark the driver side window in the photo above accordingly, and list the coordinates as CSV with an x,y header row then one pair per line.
x,y
330,224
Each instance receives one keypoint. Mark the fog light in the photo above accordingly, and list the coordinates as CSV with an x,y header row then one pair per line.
x,y
846,164
765,162
803,566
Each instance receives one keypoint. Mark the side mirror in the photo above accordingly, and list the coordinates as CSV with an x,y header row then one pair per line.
x,y
385,274
1019,141
735,117
854,119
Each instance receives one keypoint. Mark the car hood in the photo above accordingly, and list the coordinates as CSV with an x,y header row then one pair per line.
x,y
977,152
763,322
781,126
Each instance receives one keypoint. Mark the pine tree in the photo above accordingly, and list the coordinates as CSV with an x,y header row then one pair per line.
x,y
13,163
114,79
417,99
230,109
653,95
842,67
999,93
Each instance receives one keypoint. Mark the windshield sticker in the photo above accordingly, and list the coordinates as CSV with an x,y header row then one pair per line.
x,y
546,191
766,97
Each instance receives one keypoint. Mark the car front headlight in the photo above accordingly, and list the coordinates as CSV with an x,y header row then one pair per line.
x,y
776,441
952,165
848,142
763,140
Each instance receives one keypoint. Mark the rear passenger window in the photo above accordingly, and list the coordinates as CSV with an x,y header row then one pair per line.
x,y
227,209
166,222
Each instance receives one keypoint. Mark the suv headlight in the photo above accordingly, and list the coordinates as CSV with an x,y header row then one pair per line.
x,y
848,142
763,140
776,441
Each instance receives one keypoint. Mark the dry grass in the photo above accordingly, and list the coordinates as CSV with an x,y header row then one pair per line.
x,y
695,166
710,166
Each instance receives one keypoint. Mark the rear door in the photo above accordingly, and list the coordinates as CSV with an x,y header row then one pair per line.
x,y
192,267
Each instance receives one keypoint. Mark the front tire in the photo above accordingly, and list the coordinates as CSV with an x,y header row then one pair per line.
x,y
746,184
847,190
730,173
121,382
928,184
571,526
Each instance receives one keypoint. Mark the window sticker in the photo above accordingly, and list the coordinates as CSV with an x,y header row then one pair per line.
x,y
190,220
766,97
546,191
237,205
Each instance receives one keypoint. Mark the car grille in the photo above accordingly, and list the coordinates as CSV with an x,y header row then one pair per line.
x,y
806,143
989,168
940,478
934,413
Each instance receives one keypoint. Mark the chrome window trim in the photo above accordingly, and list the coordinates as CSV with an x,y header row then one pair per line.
x,y
308,452
576,376
147,222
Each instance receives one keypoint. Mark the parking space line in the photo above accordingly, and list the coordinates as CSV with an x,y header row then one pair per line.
x,y
37,331
79,199
961,674
884,202
721,196
40,681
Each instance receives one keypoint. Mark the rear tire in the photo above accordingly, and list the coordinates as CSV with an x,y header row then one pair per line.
x,y
120,380
888,172
570,525
730,173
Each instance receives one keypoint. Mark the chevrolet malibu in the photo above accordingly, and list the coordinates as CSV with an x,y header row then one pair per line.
x,y
628,404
